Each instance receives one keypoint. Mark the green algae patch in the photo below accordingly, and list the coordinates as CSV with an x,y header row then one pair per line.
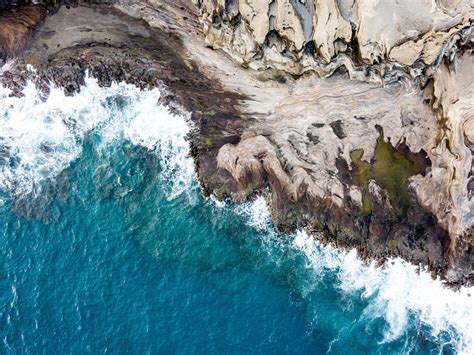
x,y
391,168
207,142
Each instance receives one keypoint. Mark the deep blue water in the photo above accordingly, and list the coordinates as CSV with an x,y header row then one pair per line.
x,y
117,251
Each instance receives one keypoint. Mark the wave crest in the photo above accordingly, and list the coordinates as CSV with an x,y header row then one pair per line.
x,y
40,136
397,292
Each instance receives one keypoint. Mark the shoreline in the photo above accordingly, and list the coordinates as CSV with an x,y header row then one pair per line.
x,y
242,115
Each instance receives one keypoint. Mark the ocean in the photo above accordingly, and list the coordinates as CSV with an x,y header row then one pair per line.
x,y
107,245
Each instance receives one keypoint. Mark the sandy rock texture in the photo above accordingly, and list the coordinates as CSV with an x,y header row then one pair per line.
x,y
372,30
425,45
17,28
353,118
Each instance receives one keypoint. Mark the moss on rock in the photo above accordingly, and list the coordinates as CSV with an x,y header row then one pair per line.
x,y
391,168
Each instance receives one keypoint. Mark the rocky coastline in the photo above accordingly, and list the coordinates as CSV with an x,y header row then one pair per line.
x,y
353,124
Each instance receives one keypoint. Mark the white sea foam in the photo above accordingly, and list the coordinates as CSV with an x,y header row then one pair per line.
x,y
40,136
394,292
168,136
257,215
5,67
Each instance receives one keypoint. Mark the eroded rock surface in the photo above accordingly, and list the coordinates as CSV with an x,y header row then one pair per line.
x,y
372,31
17,28
353,118
374,41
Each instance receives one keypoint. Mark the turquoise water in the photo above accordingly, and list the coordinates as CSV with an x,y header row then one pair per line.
x,y
108,246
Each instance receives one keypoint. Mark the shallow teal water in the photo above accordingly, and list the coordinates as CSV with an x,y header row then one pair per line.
x,y
112,248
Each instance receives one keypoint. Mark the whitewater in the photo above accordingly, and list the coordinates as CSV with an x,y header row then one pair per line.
x,y
51,146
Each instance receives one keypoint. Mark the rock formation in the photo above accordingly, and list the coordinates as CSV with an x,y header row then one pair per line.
x,y
375,41
17,28
352,118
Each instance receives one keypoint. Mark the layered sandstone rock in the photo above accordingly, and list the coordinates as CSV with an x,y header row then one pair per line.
x,y
425,44
373,31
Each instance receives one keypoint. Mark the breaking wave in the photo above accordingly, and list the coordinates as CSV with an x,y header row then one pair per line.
x,y
397,292
41,136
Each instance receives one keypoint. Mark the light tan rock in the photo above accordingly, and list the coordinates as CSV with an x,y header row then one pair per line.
x,y
445,190
256,15
289,139
299,147
288,24
391,30
329,27
386,24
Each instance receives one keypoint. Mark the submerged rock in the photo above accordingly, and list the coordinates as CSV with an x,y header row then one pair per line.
x,y
351,118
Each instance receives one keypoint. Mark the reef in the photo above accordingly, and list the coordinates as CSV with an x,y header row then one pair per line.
x,y
353,119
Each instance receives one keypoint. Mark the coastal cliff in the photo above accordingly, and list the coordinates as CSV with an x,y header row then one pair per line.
x,y
353,119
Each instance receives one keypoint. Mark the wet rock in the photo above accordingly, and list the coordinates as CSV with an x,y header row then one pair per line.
x,y
359,154
337,129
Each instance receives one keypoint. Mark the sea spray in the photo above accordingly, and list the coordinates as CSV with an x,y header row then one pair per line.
x,y
395,291
41,136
